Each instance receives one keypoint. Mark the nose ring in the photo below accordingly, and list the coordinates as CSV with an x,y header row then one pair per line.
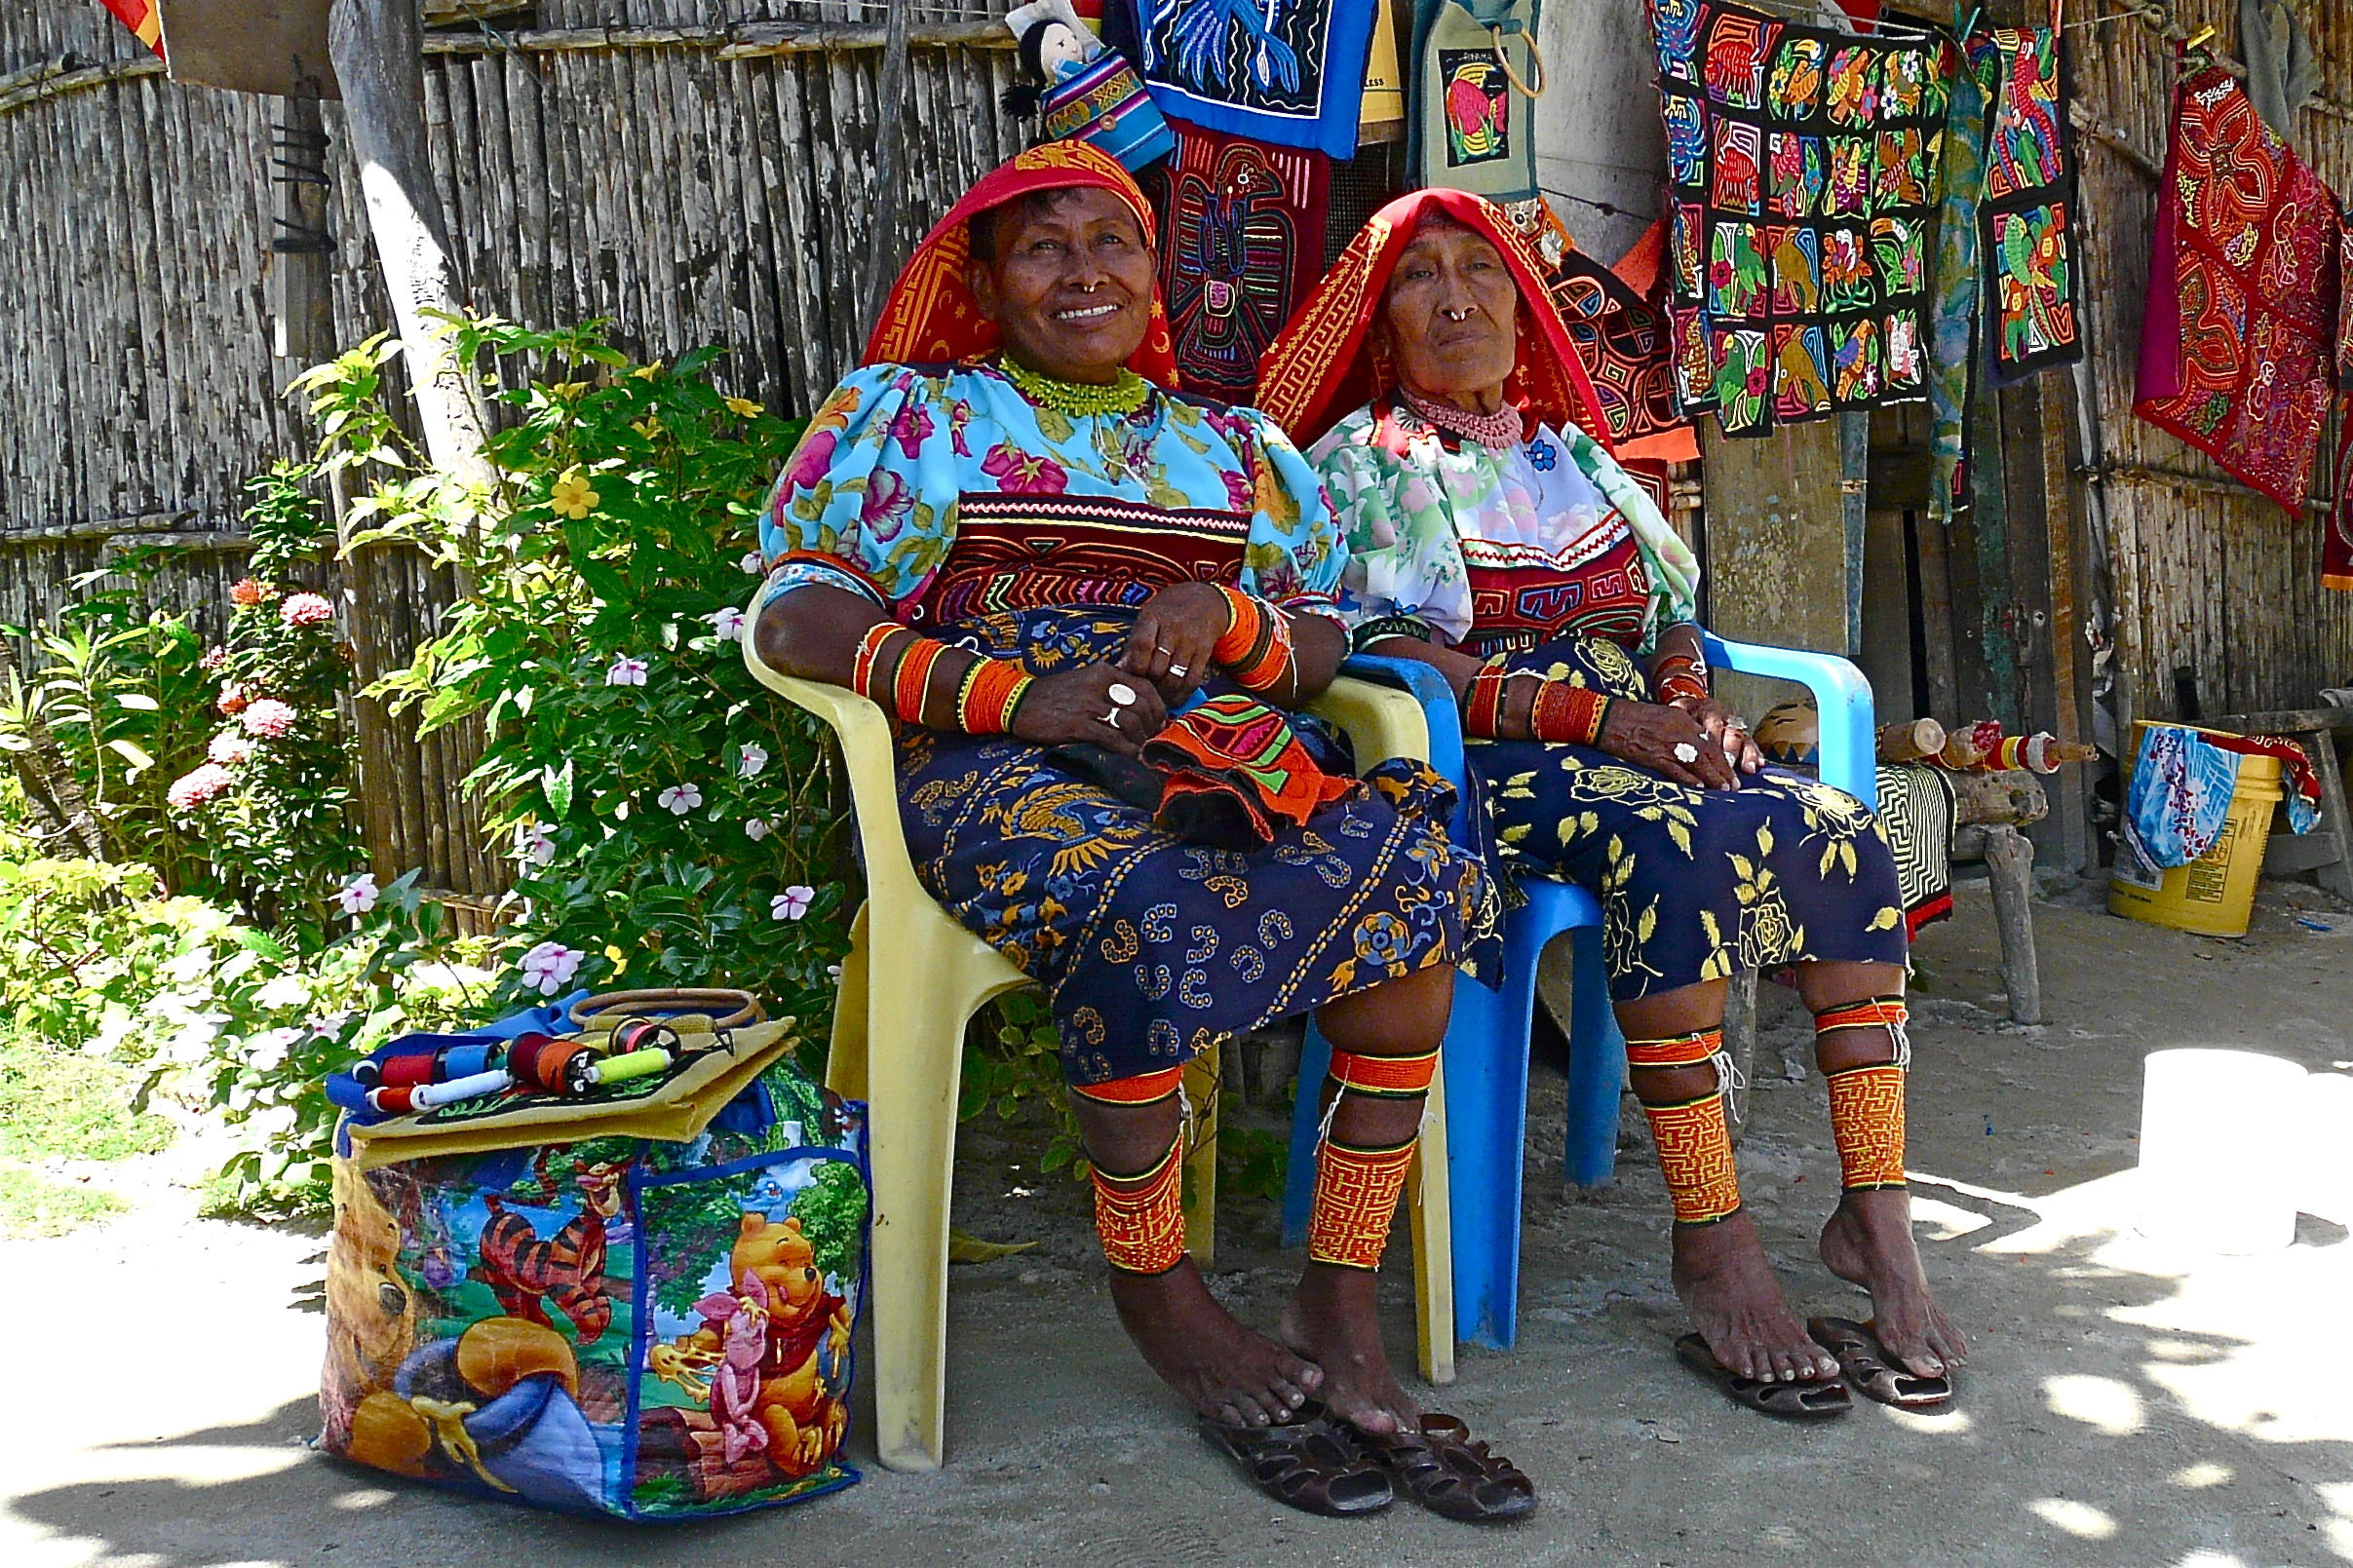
x,y
1458,316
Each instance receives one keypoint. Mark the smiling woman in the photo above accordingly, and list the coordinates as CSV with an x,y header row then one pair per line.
x,y
1011,532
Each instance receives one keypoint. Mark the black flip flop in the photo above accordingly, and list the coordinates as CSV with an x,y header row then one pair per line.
x,y
1798,1402
1452,1474
1311,1463
1873,1374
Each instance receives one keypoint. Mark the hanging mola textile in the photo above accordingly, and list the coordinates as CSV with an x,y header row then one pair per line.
x,y
1614,323
143,18
2337,545
1476,79
1290,72
2034,283
1804,170
2237,344
1241,228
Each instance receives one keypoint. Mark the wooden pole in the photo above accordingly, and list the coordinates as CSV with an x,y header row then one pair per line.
x,y
377,46
890,185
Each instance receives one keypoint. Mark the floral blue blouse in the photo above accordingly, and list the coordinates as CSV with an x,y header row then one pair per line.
x,y
904,461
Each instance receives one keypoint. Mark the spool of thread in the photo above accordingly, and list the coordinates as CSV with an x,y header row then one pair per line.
x,y
1911,740
410,1068
642,1033
495,1082
631,1065
550,1065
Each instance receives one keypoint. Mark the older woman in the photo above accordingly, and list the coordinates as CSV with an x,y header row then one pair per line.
x,y
1494,539
1009,531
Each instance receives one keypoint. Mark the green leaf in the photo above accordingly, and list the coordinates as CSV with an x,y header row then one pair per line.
x,y
137,702
132,754
557,784
254,939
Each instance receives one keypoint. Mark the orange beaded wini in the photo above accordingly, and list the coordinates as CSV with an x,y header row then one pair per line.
x,y
1692,1049
1695,1156
1144,1088
1356,1194
1255,651
863,666
1140,1219
1866,1102
1565,713
1385,1077
990,695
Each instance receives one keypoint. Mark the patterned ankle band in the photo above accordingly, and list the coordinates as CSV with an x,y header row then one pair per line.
x,y
1140,1219
1695,1156
1356,1193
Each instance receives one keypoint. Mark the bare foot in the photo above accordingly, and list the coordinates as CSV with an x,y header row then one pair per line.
x,y
1334,1320
1869,1242
1728,1288
1229,1373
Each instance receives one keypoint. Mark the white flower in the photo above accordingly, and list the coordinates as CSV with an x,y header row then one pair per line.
x,y
283,991
791,903
727,623
359,894
626,672
532,844
756,828
754,758
679,799
550,966
266,1051
753,564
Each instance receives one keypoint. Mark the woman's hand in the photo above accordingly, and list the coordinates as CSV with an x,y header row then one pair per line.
x,y
1724,727
1646,735
1078,704
1171,641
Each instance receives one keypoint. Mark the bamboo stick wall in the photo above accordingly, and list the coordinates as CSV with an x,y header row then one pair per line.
x,y
698,173
2207,575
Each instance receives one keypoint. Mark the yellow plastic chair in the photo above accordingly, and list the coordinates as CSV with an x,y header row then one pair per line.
x,y
899,1047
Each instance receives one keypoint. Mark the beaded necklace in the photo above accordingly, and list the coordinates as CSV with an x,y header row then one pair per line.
x,y
1499,432
1077,400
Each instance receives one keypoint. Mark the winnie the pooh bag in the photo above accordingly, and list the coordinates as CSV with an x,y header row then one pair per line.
x,y
648,1328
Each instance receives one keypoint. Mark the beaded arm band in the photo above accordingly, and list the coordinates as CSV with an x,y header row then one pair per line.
x,y
1388,625
1680,676
988,693
1560,712
1256,650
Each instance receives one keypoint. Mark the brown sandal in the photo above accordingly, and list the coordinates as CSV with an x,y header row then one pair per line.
x,y
1873,1374
1311,1461
1803,1401
1446,1471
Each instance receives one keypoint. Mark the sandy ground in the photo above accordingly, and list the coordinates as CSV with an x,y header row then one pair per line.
x,y
2122,1406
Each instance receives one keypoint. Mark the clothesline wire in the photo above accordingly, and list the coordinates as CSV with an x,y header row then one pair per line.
x,y
1882,28
1605,209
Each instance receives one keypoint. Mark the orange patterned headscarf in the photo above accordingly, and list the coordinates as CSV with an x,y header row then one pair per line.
x,y
1324,363
930,317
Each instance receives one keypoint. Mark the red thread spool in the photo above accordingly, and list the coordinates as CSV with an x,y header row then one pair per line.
x,y
394,1101
642,1033
407,1072
550,1065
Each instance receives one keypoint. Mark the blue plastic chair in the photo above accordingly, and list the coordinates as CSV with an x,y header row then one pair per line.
x,y
1487,1044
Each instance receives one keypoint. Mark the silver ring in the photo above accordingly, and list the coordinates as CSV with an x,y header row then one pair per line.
x,y
1112,718
1179,670
1120,692
1685,751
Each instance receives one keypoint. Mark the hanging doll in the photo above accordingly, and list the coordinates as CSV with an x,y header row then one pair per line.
x,y
1084,90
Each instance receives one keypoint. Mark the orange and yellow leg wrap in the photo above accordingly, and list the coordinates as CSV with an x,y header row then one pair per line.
x,y
1144,1088
1395,1078
1696,1049
1140,1218
1695,1156
1866,1117
1866,1102
1356,1193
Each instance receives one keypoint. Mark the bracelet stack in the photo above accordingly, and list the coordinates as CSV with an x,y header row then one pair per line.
x,y
1675,677
1482,701
1256,650
987,695
1574,715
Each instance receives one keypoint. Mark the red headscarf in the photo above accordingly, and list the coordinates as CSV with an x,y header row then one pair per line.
x,y
1324,364
931,317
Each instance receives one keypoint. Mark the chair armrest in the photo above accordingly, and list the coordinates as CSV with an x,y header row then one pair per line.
x,y
1381,721
1441,714
1842,701
865,752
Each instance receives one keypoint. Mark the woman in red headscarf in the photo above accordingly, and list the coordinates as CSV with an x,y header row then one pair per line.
x,y
1011,531
1494,539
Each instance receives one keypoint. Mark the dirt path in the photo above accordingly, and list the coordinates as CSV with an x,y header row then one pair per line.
x,y
2122,1408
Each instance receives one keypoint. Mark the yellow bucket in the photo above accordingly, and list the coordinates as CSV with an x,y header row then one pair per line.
x,y
2214,894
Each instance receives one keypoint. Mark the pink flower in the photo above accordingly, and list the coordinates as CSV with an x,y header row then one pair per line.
x,y
359,895
1240,494
306,609
268,719
213,660
911,428
199,786
229,749
550,966
793,903
232,699
626,672
809,466
1020,473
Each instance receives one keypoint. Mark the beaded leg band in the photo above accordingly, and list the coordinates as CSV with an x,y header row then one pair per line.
x,y
1356,1188
1866,1102
1256,650
1694,1141
1140,1218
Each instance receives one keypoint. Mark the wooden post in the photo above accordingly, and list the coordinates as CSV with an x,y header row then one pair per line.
x,y
377,49
301,249
890,156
